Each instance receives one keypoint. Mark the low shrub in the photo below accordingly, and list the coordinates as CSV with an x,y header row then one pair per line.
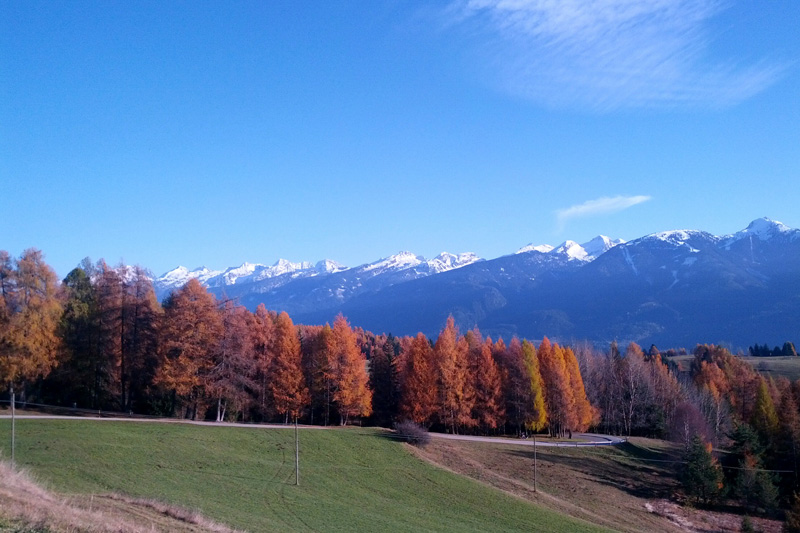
x,y
412,433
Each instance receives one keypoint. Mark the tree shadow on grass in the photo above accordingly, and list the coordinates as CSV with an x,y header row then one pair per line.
x,y
638,471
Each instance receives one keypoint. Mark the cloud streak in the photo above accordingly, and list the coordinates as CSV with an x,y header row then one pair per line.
x,y
600,206
608,54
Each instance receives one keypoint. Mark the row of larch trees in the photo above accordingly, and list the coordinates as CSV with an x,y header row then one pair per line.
x,y
105,342
466,383
101,340
253,365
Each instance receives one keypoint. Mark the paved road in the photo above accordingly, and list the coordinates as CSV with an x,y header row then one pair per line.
x,y
580,439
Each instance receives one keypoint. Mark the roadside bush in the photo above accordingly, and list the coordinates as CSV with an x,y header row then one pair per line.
x,y
412,433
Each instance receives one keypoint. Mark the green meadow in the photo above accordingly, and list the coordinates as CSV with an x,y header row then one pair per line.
x,y
350,478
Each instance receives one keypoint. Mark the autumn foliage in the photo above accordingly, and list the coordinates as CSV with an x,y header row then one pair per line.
x,y
101,340
111,345
30,309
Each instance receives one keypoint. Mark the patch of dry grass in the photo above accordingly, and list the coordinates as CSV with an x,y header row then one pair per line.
x,y
629,488
788,367
27,506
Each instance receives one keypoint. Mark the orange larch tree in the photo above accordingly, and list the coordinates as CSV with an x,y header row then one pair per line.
x,y
231,380
418,382
30,310
558,395
584,412
287,385
488,410
190,335
451,366
350,378
516,382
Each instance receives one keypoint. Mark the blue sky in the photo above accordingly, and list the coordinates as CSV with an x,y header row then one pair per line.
x,y
215,133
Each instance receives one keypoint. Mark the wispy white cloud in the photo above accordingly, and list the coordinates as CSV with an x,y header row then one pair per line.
x,y
607,54
600,206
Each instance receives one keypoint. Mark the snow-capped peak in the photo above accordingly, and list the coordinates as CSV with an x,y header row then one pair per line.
x,y
328,266
245,269
180,272
541,248
180,275
680,237
399,261
572,250
764,229
446,261
599,245
674,236
283,266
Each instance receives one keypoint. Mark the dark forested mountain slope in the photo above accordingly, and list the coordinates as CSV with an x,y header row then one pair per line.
x,y
669,288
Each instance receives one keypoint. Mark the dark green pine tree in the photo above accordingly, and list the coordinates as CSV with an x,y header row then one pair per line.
x,y
753,485
80,379
700,476
383,382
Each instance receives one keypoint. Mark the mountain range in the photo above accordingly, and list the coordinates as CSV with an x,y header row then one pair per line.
x,y
674,288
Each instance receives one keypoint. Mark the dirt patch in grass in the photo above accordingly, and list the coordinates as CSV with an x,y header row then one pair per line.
x,y
704,521
629,488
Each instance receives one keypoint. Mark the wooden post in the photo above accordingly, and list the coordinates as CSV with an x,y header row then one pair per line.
x,y
296,454
13,424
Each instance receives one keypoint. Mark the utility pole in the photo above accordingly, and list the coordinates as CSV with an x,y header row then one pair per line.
x,y
296,453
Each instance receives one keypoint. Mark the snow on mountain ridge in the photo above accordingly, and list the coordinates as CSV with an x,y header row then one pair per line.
x,y
572,250
398,261
588,251
446,261
178,277
762,228
599,245
681,237
329,266
541,248
231,275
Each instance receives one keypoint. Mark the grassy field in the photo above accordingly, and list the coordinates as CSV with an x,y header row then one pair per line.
x,y
607,485
788,367
351,479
